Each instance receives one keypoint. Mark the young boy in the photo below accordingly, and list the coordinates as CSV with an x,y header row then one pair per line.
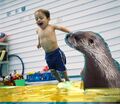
x,y
55,58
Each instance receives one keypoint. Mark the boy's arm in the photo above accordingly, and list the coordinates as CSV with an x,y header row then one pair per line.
x,y
38,45
61,28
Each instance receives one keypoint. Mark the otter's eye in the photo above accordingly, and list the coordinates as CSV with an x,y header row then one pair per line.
x,y
76,38
91,41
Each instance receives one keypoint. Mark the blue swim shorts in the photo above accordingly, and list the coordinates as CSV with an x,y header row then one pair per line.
x,y
56,60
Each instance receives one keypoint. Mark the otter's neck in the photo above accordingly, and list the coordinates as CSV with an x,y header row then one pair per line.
x,y
100,68
102,63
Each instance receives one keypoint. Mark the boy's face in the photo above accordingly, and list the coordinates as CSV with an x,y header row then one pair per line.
x,y
41,20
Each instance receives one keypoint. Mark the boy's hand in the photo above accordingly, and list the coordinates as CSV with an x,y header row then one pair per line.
x,y
38,46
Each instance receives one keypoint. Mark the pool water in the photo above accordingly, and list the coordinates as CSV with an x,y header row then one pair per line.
x,y
49,92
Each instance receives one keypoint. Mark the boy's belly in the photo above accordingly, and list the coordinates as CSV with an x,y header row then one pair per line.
x,y
49,46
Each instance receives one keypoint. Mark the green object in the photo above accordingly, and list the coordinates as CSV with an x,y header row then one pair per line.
x,y
20,82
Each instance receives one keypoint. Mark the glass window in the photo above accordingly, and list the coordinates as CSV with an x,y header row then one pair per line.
x,y
23,8
9,13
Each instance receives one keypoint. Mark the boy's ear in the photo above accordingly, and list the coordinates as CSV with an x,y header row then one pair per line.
x,y
49,18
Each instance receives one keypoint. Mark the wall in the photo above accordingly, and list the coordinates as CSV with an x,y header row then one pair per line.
x,y
102,16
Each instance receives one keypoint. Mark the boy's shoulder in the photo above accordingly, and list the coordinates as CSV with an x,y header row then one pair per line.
x,y
54,26
51,25
38,29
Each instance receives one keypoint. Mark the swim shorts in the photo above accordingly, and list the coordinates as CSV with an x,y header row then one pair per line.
x,y
56,60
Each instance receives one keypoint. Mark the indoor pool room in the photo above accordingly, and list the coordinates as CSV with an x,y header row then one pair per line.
x,y
59,51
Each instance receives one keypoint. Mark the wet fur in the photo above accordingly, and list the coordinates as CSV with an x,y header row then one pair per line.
x,y
101,70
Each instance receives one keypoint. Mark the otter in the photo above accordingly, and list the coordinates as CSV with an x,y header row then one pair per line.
x,y
100,69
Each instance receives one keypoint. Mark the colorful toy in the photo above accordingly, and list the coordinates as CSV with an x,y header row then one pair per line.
x,y
45,69
10,79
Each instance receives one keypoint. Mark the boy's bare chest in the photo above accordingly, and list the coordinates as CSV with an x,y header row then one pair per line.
x,y
46,34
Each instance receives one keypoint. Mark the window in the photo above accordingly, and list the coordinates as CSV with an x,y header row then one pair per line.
x,y
9,13
23,8
16,11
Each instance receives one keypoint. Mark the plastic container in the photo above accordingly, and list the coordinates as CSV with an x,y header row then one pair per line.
x,y
20,82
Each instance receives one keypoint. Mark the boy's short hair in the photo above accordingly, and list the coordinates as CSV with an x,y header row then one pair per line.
x,y
46,12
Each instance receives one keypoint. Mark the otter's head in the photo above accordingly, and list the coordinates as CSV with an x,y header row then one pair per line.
x,y
87,42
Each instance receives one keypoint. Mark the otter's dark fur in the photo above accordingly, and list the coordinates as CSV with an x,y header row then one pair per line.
x,y
101,70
